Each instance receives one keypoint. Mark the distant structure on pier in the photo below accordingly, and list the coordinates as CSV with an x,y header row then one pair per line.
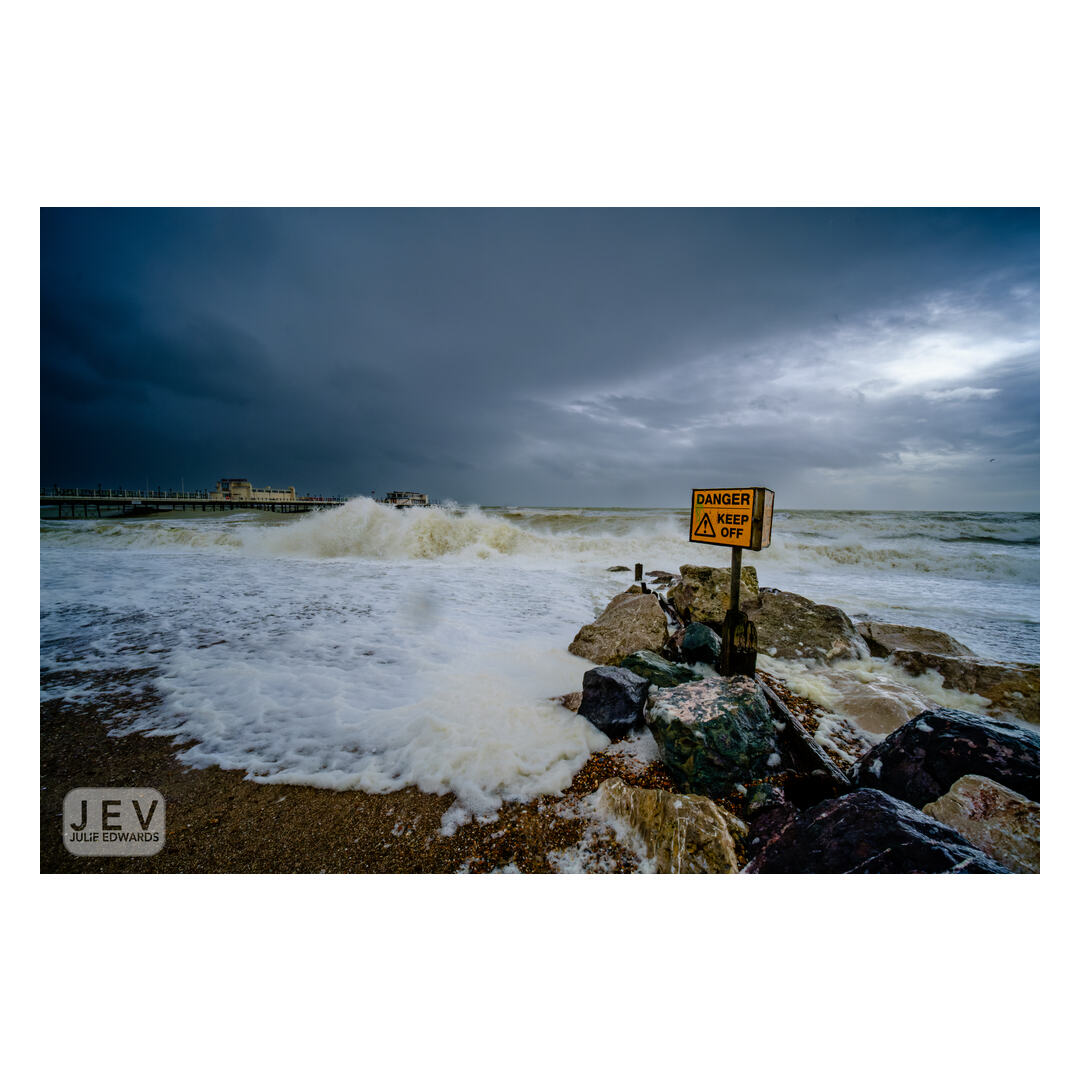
x,y
403,499
242,491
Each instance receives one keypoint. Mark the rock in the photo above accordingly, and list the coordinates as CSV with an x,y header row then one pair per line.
x,y
920,761
673,649
704,592
660,577
685,834
618,569
996,820
612,699
700,645
868,832
763,796
713,734
657,670
767,823
1011,689
571,701
882,639
630,623
794,628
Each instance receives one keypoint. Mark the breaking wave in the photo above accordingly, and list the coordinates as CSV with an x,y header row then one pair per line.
x,y
998,547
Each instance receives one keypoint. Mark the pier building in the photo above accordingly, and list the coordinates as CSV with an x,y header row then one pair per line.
x,y
242,491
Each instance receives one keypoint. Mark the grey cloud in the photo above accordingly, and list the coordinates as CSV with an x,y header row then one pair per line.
x,y
546,356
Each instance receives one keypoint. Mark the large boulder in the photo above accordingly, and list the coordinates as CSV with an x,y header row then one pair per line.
x,y
1011,689
883,639
920,761
703,593
792,627
657,670
630,623
612,699
996,820
685,834
869,832
713,734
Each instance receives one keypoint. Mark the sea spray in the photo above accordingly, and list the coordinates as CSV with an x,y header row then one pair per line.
x,y
372,648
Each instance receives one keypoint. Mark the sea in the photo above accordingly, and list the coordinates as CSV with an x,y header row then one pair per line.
x,y
364,647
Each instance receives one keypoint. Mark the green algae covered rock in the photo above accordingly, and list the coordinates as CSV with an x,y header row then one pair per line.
x,y
700,645
657,670
713,734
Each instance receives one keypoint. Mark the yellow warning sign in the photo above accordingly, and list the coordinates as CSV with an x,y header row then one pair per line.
x,y
732,517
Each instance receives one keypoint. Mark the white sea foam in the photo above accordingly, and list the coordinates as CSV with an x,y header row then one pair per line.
x,y
337,673
876,695
372,648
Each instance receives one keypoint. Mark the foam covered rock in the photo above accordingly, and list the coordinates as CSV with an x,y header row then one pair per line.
x,y
713,734
684,834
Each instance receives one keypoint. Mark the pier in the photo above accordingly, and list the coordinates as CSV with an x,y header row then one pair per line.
x,y
90,502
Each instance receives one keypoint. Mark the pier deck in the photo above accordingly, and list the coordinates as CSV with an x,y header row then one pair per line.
x,y
79,502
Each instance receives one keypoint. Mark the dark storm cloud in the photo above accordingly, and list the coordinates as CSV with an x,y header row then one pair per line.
x,y
845,358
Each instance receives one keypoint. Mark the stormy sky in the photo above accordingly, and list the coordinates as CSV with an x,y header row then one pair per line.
x,y
880,359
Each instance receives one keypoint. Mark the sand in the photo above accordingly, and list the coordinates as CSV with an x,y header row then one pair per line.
x,y
218,822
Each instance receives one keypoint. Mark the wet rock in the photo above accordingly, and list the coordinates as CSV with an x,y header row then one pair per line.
x,y
713,734
806,788
704,592
769,813
700,645
613,699
571,701
792,627
660,577
882,639
630,623
657,670
1011,689
685,834
868,832
618,569
673,649
996,820
920,761
763,796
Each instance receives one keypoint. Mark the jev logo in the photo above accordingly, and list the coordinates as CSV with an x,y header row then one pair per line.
x,y
114,821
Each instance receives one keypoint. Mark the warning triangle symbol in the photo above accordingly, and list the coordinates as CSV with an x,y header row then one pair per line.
x,y
705,527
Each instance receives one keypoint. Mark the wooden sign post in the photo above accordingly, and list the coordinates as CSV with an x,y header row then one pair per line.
x,y
737,518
